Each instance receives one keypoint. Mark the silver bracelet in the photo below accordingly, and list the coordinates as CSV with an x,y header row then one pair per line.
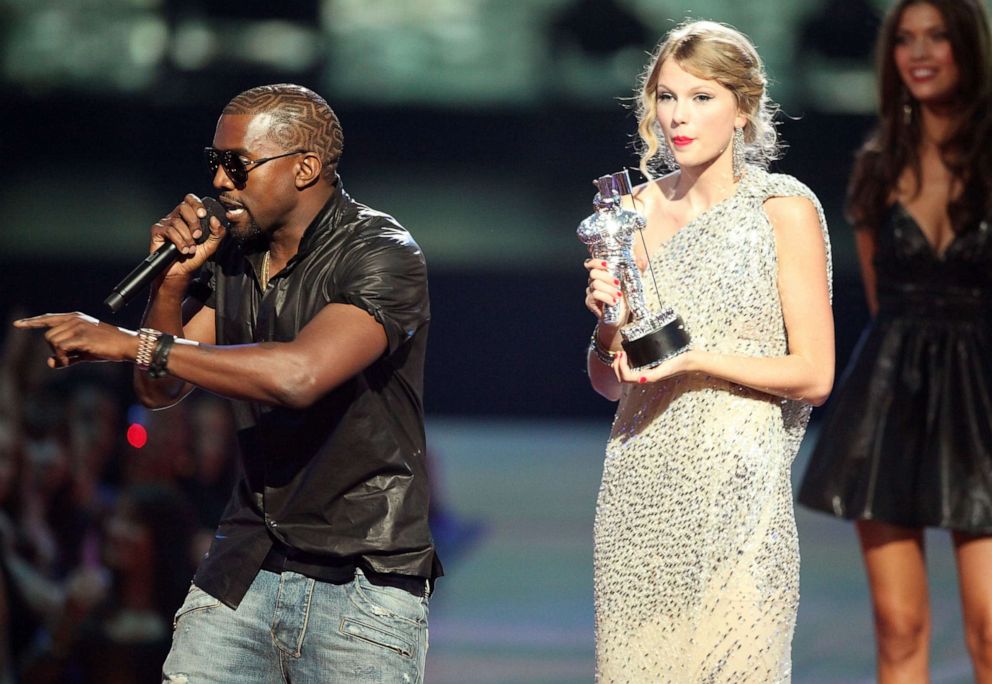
x,y
606,356
147,339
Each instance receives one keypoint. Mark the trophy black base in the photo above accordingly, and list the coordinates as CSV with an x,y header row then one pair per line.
x,y
656,346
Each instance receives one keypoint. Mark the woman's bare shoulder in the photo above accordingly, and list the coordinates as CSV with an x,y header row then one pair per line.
x,y
652,193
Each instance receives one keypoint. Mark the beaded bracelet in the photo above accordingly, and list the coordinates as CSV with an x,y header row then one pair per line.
x,y
606,356
147,338
160,357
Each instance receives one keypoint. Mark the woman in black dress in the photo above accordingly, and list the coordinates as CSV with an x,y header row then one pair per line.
x,y
907,443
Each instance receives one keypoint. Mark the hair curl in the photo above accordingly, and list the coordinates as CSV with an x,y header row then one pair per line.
x,y
302,119
894,145
720,53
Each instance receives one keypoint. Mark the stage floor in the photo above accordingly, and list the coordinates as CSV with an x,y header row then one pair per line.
x,y
516,604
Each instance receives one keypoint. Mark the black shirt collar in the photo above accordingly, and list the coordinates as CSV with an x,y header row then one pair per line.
x,y
323,224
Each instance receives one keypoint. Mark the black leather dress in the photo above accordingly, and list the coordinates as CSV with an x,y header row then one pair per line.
x,y
908,436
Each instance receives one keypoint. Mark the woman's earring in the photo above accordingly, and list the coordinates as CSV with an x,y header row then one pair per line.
x,y
907,113
738,150
666,155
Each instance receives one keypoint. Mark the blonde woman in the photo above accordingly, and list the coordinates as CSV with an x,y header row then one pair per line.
x,y
696,556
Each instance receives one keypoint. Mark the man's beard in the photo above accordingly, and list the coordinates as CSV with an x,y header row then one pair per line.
x,y
250,234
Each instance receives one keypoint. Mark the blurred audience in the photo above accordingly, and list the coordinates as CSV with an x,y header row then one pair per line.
x,y
209,474
115,623
98,536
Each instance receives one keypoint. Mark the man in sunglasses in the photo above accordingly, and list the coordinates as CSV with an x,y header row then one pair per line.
x,y
310,311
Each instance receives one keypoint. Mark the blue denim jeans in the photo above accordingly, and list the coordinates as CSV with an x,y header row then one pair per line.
x,y
290,628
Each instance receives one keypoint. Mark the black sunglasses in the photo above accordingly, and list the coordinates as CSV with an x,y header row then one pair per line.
x,y
236,166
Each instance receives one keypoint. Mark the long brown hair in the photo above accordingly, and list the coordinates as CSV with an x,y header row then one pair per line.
x,y
894,144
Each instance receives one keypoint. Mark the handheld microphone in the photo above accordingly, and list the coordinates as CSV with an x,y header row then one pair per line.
x,y
160,259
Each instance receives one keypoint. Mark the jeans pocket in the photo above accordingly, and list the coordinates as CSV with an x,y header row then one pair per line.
x,y
378,635
196,599
391,602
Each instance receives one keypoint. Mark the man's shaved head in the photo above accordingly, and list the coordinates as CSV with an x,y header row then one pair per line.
x,y
301,119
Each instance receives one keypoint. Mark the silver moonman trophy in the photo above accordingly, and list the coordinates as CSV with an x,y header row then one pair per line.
x,y
649,338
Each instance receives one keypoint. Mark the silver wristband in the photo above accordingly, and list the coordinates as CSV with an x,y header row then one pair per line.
x,y
147,339
606,356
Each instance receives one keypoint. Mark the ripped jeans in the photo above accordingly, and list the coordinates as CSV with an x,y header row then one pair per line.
x,y
290,628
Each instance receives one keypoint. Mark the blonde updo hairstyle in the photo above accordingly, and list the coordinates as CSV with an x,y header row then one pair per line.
x,y
715,52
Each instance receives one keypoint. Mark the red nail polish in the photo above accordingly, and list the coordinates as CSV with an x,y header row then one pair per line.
x,y
616,282
619,294
604,264
643,379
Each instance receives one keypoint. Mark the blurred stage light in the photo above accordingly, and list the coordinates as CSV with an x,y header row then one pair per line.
x,y
137,435
137,414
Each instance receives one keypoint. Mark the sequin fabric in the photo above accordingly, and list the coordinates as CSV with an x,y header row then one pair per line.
x,y
696,554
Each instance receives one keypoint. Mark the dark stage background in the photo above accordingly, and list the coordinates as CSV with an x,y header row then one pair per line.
x,y
479,125
509,327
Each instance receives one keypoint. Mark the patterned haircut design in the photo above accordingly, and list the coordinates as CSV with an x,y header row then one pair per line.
x,y
302,119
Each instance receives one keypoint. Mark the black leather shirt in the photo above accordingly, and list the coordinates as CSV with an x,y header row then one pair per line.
x,y
343,481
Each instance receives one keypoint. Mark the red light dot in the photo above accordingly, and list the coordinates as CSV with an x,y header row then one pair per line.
x,y
137,436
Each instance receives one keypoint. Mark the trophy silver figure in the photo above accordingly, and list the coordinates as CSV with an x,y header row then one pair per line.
x,y
649,338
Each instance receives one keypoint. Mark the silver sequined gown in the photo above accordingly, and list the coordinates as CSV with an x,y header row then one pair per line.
x,y
696,554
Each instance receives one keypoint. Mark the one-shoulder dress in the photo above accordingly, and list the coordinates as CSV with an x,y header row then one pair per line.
x,y
696,557
907,438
